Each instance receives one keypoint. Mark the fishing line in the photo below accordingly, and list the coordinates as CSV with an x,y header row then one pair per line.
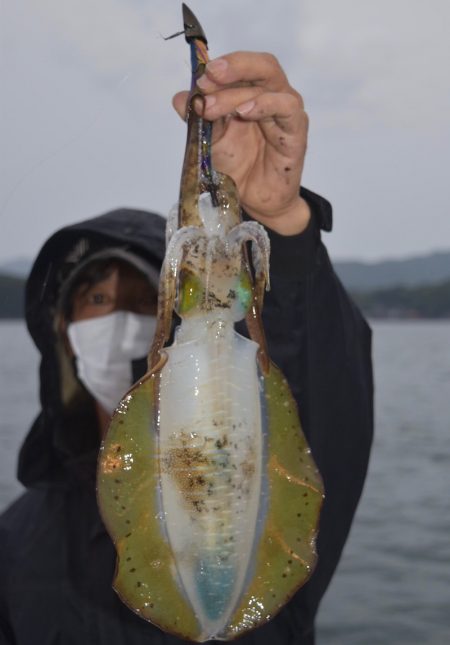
x,y
179,33
56,151
70,140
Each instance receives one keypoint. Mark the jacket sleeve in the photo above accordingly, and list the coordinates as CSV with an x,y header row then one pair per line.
x,y
320,340
6,634
4,630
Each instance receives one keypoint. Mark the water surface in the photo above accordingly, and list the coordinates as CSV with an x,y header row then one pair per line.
x,y
393,584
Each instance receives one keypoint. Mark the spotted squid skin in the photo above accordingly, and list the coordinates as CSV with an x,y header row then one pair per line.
x,y
149,576
205,481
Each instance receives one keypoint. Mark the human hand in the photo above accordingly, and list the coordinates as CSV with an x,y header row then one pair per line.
x,y
259,135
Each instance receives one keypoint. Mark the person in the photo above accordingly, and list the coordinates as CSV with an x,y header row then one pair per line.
x,y
56,559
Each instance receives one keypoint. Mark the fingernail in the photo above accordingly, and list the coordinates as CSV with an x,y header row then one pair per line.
x,y
204,83
245,108
210,101
198,105
217,65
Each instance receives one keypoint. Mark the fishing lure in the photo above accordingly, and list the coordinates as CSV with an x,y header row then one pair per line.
x,y
205,481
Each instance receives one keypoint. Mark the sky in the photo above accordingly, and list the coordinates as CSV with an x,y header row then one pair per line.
x,y
86,122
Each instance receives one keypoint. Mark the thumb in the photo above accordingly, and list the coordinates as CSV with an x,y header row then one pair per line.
x,y
179,102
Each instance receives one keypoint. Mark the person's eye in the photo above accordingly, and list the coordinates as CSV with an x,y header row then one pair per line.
x,y
98,298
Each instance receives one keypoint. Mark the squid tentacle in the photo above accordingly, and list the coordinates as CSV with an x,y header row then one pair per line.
x,y
176,249
172,223
175,253
255,233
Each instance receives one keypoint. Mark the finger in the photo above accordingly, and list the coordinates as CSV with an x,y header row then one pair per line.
x,y
277,114
179,102
251,67
282,121
220,104
217,105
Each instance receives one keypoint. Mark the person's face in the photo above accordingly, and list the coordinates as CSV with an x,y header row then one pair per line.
x,y
124,288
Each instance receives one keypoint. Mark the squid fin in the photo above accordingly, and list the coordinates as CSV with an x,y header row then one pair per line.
x,y
285,554
128,495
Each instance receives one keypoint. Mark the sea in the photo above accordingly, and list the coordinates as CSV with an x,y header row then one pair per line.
x,y
392,586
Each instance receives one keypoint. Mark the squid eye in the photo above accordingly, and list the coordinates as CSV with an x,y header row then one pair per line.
x,y
244,290
190,292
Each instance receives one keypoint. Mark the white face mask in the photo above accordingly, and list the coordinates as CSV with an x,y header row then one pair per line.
x,y
104,348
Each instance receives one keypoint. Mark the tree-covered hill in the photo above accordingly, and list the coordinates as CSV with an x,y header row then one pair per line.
x,y
356,275
11,296
409,272
427,301
417,300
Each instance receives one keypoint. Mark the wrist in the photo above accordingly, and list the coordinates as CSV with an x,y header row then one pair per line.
x,y
291,221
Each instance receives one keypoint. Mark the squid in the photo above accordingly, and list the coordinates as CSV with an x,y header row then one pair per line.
x,y
206,483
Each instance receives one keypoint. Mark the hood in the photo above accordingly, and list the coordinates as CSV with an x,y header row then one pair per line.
x,y
60,443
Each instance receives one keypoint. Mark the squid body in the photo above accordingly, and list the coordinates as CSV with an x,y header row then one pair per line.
x,y
205,480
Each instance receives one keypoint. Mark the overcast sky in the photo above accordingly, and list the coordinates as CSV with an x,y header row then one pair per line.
x,y
87,123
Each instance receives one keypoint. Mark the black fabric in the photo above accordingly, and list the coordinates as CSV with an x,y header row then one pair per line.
x,y
56,560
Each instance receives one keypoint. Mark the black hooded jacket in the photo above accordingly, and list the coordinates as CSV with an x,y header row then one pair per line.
x,y
56,560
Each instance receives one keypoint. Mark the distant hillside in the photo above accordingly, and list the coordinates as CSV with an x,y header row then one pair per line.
x,y
416,287
11,296
357,276
362,276
406,302
19,267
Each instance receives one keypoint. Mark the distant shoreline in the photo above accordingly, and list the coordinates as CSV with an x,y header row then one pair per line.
x,y
419,302
406,303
